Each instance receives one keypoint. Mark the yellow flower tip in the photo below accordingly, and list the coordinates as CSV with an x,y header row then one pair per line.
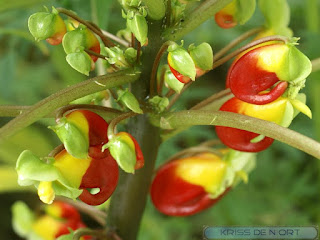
x,y
46,192
301,107
243,175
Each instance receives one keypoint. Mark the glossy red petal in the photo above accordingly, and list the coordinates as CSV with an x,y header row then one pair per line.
x,y
224,20
103,174
179,76
246,80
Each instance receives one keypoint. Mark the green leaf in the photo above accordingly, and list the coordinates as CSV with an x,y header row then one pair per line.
x,y
80,61
22,219
31,169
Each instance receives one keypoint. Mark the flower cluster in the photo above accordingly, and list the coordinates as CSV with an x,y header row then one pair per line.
x,y
84,163
56,221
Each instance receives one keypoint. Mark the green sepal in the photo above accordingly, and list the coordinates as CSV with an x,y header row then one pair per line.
x,y
245,10
202,55
138,26
116,56
173,82
74,140
180,60
295,69
75,40
31,169
299,105
41,25
288,115
159,104
276,13
80,61
129,100
22,219
122,152
156,8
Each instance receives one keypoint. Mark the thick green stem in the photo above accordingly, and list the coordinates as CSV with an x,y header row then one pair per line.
x,y
65,96
128,202
228,119
205,11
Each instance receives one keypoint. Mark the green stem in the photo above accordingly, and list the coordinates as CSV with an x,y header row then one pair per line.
x,y
161,51
212,99
239,121
315,64
205,11
235,42
65,96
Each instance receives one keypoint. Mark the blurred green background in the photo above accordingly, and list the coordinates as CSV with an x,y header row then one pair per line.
x,y
284,189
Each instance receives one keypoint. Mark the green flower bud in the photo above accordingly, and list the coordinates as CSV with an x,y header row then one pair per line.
x,y
130,55
159,104
45,25
80,61
181,62
129,100
75,141
137,23
202,56
156,8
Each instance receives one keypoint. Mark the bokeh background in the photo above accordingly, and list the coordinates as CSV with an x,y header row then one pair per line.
x,y
284,189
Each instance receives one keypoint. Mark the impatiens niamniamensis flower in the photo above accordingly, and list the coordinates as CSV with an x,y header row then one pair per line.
x,y
236,12
80,129
278,66
181,64
281,111
57,221
125,149
171,81
81,38
189,185
49,26
68,176
202,57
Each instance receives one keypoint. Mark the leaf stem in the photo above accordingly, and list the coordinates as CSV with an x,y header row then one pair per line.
x,y
248,46
156,62
115,38
235,42
115,121
94,29
65,96
239,121
177,95
95,54
211,99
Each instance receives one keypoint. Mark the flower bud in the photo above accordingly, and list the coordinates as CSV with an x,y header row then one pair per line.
x,y
137,24
49,26
264,67
129,100
159,104
126,151
181,64
80,39
238,11
202,57
120,59
186,186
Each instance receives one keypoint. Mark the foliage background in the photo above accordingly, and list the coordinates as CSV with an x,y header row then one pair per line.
x,y
283,189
